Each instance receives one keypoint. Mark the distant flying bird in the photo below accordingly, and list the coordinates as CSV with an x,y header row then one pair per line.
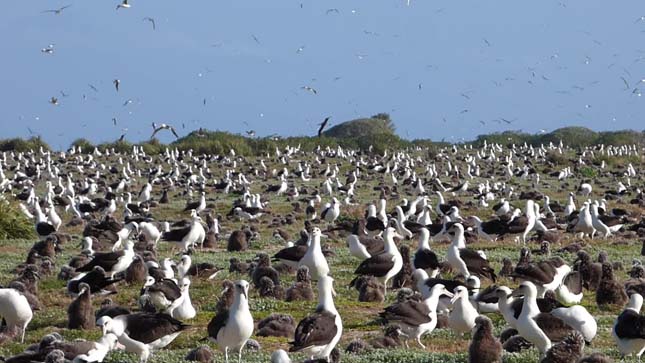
x,y
310,89
93,88
160,127
334,10
465,96
300,49
114,120
151,20
256,39
63,94
116,84
322,125
507,121
487,42
482,122
250,133
125,131
626,83
124,5
53,101
420,86
57,11
642,18
127,102
49,49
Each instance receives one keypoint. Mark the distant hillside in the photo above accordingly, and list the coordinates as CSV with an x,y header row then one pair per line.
x,y
363,127
572,136
375,133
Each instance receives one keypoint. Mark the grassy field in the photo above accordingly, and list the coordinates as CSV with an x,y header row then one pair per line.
x,y
359,319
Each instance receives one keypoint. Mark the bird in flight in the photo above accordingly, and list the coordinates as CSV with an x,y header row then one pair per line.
x,y
256,39
152,21
125,131
310,89
48,50
127,102
507,121
93,88
116,84
334,10
57,11
124,5
322,125
114,120
300,49
161,127
250,133
53,101
64,94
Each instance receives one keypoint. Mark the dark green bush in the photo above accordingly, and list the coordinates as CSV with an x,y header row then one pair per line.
x,y
13,224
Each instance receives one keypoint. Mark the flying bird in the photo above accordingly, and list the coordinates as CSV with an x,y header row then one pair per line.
x,y
93,88
125,131
127,102
53,101
152,21
250,133
161,127
310,89
334,10
124,5
300,49
256,39
64,94
322,125
116,84
49,49
626,83
57,11
114,120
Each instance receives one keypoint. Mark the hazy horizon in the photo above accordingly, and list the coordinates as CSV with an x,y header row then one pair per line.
x,y
478,66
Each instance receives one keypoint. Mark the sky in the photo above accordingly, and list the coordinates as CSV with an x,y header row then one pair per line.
x,y
444,69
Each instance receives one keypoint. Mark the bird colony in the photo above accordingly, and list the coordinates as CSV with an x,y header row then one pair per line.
x,y
498,253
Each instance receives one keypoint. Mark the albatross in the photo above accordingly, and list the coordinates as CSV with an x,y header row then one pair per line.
x,y
232,328
318,333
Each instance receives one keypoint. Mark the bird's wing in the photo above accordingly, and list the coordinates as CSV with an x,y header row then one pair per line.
x,y
314,330
377,266
409,312
174,132
154,133
217,323
156,326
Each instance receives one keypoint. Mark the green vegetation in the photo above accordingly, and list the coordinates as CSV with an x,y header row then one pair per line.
x,y
377,132
22,145
13,224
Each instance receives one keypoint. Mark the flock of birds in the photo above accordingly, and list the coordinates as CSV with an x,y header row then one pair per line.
x,y
376,204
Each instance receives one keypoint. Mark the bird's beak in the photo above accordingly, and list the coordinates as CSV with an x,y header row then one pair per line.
x,y
448,294
397,235
246,296
454,298
324,236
